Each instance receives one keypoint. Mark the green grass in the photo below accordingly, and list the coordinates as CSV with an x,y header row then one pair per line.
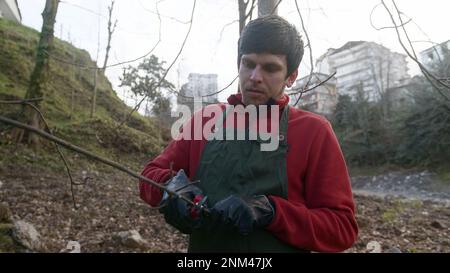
x,y
392,213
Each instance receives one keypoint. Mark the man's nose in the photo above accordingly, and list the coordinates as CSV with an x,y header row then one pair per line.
x,y
256,74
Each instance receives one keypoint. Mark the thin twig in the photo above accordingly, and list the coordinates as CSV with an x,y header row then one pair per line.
x,y
223,29
118,63
381,28
159,15
168,69
250,13
223,89
93,156
310,53
275,8
302,91
212,94
20,101
428,75
47,128
411,45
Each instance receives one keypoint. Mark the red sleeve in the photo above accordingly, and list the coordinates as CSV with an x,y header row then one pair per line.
x,y
158,169
183,153
325,221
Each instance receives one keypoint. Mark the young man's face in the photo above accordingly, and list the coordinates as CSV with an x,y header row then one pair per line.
x,y
263,76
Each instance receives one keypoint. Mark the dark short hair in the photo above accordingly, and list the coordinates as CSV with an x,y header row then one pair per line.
x,y
272,34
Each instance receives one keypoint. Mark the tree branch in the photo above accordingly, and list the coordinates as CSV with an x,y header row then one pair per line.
x,y
168,69
381,28
315,86
275,8
93,156
212,94
310,53
428,75
47,128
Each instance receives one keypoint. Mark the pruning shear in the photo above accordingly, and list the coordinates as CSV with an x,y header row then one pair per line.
x,y
199,206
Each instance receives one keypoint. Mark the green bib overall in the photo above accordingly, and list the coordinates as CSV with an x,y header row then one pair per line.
x,y
240,167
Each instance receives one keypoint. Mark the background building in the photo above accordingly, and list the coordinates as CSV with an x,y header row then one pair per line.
x,y
364,65
197,87
321,100
434,54
9,9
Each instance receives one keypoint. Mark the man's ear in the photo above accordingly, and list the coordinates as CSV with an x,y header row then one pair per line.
x,y
291,79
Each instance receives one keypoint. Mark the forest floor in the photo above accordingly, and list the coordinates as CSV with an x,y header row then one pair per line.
x,y
110,203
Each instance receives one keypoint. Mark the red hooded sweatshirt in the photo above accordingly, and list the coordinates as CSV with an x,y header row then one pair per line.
x,y
319,213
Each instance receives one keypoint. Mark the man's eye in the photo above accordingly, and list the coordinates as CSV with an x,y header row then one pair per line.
x,y
271,68
248,64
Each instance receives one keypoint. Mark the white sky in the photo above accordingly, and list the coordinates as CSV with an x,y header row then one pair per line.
x,y
329,23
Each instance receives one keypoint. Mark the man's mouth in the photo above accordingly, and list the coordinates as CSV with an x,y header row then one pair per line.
x,y
254,91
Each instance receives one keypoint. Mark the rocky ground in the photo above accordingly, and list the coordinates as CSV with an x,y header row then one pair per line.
x,y
112,218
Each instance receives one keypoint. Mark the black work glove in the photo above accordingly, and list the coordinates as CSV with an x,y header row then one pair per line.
x,y
177,212
241,214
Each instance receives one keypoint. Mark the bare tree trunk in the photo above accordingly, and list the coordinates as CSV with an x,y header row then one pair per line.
x,y
243,14
267,7
94,94
39,75
72,98
242,5
111,29
110,33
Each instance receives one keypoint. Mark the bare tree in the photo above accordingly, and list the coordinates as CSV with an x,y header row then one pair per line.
x,y
111,29
39,75
244,16
94,93
168,69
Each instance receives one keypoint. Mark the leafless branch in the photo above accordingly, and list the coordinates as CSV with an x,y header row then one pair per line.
x,y
276,6
168,69
161,15
104,16
212,94
223,89
118,63
83,8
111,29
93,156
303,90
428,75
20,101
47,128
223,29
250,13
310,52
112,65
381,28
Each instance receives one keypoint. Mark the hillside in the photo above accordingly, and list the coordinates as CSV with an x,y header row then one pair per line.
x,y
67,96
66,107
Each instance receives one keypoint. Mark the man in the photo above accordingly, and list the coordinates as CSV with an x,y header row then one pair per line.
x,y
294,198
